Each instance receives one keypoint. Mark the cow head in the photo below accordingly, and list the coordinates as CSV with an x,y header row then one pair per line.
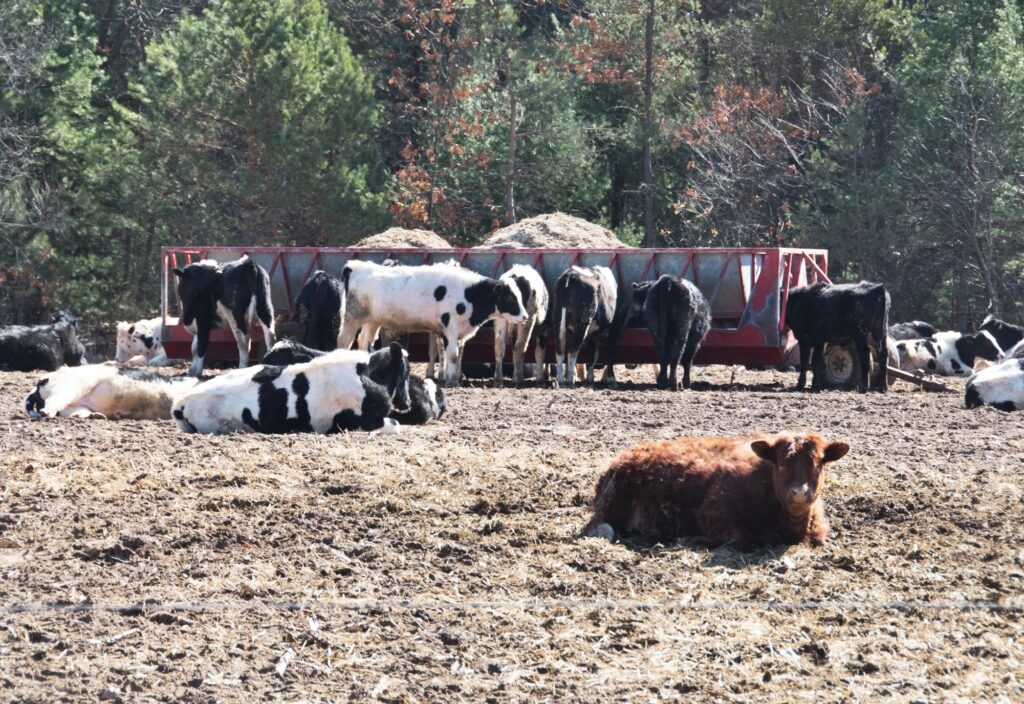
x,y
36,401
798,468
194,281
66,326
131,342
390,368
285,352
508,302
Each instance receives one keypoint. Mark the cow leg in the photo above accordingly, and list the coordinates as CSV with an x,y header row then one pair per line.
x,y
500,337
864,360
539,357
562,358
433,345
693,340
523,334
159,359
200,343
451,362
593,364
349,330
816,352
805,356
81,412
882,346
368,335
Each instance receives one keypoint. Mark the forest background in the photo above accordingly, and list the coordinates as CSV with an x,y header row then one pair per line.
x,y
887,132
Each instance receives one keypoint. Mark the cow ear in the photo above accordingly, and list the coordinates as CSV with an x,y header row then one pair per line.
x,y
835,451
180,273
636,285
763,449
131,329
396,351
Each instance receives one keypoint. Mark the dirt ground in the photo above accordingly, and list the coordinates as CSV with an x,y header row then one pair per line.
x,y
444,564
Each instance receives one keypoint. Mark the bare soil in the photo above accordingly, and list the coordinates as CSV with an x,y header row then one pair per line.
x,y
444,564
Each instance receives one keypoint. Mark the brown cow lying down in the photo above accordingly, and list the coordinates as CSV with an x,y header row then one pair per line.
x,y
762,490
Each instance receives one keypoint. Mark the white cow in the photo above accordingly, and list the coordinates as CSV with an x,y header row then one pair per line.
x,y
1000,386
451,302
140,343
106,390
947,353
534,294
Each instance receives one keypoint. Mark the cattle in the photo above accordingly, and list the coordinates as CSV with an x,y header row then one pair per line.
x,y
947,353
678,316
914,330
106,391
1005,334
445,300
1000,386
426,400
742,492
321,308
140,343
26,348
584,302
235,295
328,394
835,313
534,295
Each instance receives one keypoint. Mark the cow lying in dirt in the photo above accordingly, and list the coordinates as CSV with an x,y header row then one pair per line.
x,y
913,330
426,399
107,391
25,348
947,353
1000,386
140,343
723,491
330,393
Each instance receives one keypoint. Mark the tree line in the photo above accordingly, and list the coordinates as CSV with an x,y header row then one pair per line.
x,y
886,131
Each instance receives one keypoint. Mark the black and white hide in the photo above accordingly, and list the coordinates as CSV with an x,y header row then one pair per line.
x,y
140,343
448,301
426,399
328,394
320,309
678,316
108,391
583,303
26,348
235,295
1006,335
1000,386
913,330
947,353
534,294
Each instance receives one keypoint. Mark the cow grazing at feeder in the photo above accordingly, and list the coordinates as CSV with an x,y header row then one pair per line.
x,y
320,309
448,301
534,294
834,313
140,343
741,492
584,302
1005,334
947,353
913,330
235,295
678,316
26,348
328,394
107,391
1000,386
426,399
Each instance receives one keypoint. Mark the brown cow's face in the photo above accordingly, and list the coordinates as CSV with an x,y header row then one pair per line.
x,y
799,468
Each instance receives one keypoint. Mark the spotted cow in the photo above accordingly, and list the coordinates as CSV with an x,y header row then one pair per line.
x,y
947,353
140,343
107,391
534,294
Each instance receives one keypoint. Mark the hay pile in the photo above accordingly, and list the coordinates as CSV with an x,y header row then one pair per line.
x,y
554,230
399,237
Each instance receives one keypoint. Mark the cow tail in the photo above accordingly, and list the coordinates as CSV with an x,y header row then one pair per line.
x,y
264,307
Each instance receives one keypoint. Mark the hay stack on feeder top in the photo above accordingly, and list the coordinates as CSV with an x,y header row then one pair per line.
x,y
554,230
401,238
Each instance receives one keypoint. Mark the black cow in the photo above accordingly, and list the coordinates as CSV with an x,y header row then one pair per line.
x,y
827,313
24,348
1006,335
321,308
234,295
678,316
914,330
584,301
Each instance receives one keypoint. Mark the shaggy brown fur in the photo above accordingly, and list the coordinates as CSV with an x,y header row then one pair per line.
x,y
761,490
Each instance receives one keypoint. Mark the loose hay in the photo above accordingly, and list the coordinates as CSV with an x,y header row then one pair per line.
x,y
399,237
553,230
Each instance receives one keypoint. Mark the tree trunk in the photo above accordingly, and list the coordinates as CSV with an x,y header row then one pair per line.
x,y
650,236
510,161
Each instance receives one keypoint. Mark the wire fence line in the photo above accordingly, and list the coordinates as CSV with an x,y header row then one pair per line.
x,y
429,604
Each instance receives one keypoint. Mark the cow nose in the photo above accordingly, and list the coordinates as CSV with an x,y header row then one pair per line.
x,y
800,494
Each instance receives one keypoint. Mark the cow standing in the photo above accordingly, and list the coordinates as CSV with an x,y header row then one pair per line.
x,y
235,295
835,313
534,295
320,308
26,348
678,316
584,302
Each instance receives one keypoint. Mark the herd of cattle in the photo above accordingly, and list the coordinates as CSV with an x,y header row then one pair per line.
x,y
347,371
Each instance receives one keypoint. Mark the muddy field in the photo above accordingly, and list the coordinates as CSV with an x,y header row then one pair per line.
x,y
443,564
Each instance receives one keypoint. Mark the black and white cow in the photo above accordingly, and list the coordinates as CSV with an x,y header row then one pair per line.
x,y
1000,386
108,391
678,316
445,300
328,394
914,330
834,313
235,295
25,348
584,302
321,308
534,294
426,400
948,353
140,343
1005,334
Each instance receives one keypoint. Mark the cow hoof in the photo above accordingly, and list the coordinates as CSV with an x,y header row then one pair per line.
x,y
601,530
